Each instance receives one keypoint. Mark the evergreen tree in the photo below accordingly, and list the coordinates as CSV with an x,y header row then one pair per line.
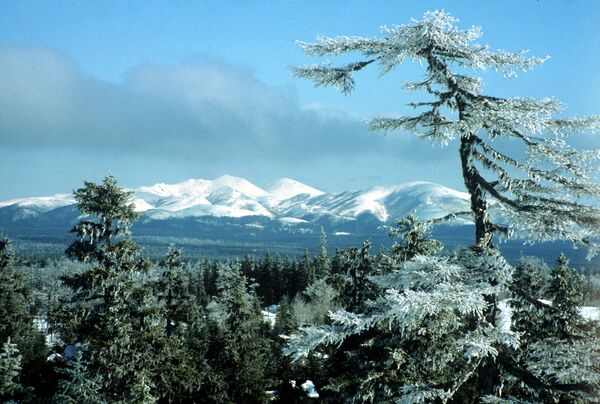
x,y
210,275
183,373
174,290
567,298
10,370
77,384
244,359
322,264
286,320
528,287
16,321
355,287
113,312
285,324
424,339
415,238
542,195
307,269
336,266
562,354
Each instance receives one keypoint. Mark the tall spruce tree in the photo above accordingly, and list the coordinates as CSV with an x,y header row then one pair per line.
x,y
112,314
173,290
322,264
183,373
245,356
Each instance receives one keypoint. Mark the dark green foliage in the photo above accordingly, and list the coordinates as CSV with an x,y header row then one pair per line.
x,y
354,286
322,266
565,292
286,321
173,291
16,323
210,276
245,356
528,286
16,320
77,384
112,311
307,269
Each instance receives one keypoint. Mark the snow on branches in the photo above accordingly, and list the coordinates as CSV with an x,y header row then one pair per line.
x,y
538,182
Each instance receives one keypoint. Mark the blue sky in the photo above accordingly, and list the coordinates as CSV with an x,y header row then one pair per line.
x,y
165,91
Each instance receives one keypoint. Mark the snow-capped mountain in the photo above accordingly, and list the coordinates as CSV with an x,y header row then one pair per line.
x,y
42,203
286,199
230,216
384,203
286,188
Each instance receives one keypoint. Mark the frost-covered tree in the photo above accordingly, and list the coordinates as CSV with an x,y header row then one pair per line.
x,y
514,157
415,240
112,311
10,370
560,351
541,194
425,338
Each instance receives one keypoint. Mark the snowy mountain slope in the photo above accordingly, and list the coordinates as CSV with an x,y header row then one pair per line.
x,y
287,199
232,192
286,188
385,203
42,203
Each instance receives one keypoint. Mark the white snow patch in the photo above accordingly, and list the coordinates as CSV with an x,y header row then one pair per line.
x,y
286,188
292,220
269,317
142,205
505,317
341,233
310,389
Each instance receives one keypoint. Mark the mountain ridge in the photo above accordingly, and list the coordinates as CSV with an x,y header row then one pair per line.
x,y
229,196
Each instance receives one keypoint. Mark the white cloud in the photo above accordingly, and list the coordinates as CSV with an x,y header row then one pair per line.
x,y
212,110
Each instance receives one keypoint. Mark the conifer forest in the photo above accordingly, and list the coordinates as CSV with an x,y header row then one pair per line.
x,y
416,322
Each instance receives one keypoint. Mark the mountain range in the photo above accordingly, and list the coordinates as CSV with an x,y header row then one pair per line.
x,y
286,200
232,211
230,216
